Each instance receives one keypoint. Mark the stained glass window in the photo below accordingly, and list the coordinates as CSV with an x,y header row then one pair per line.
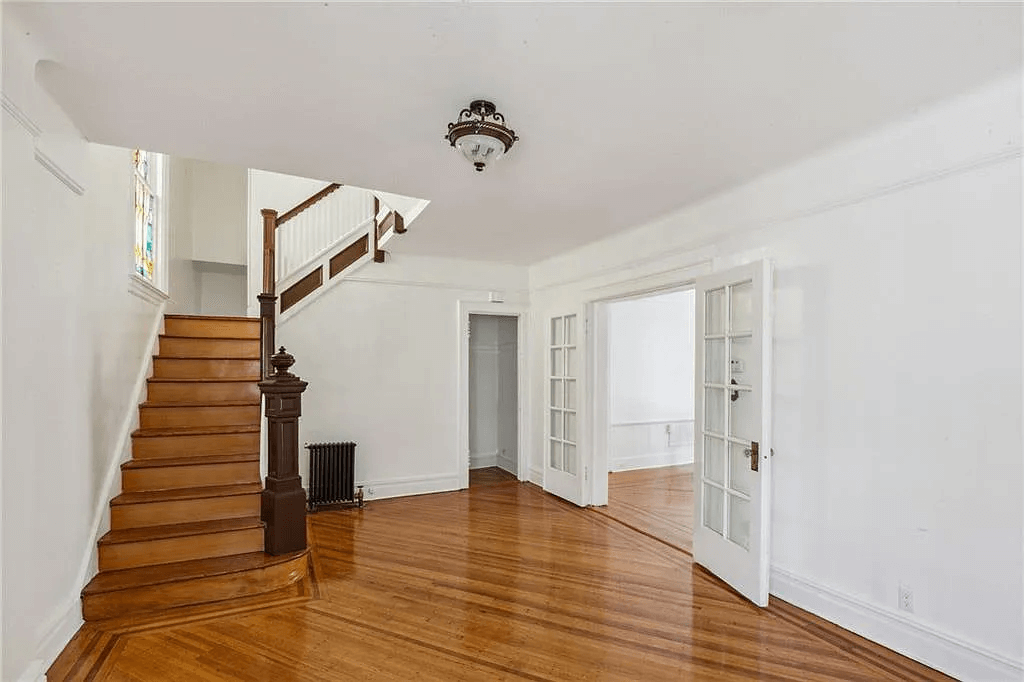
x,y
147,183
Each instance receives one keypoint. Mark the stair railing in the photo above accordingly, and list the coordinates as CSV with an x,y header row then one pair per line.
x,y
343,228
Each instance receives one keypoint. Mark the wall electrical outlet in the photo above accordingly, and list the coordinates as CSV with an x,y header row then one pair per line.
x,y
906,598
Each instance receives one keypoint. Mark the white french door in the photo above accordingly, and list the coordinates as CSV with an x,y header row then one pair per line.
x,y
564,472
732,448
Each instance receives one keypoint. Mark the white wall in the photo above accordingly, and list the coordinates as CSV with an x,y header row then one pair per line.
x,y
492,392
897,370
75,340
381,353
207,203
218,212
650,381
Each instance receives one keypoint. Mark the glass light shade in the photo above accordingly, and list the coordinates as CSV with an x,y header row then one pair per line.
x,y
480,150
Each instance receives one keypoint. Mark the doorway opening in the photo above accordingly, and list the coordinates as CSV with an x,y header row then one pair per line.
x,y
649,379
493,396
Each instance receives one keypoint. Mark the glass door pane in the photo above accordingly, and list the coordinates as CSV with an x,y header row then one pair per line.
x,y
563,371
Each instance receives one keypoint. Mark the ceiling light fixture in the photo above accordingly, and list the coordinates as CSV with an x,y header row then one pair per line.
x,y
480,134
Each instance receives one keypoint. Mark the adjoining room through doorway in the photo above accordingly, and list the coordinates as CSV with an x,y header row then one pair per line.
x,y
650,381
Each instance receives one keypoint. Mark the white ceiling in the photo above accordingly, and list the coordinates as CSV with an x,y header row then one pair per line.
x,y
626,112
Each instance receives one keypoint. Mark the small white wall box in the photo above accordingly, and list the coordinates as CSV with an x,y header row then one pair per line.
x,y
496,297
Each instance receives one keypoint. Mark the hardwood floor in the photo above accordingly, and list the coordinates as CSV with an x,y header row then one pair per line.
x,y
498,582
489,476
657,502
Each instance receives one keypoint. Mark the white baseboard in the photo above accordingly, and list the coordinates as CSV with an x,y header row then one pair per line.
x,y
536,476
410,485
652,459
507,463
35,672
897,631
480,460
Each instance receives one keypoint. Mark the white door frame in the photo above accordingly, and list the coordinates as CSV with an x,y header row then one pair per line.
x,y
599,369
521,313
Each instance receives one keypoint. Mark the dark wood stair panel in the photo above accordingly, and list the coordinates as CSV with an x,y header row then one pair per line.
x,y
158,416
154,588
152,444
184,505
204,347
212,327
134,547
190,391
205,368
171,473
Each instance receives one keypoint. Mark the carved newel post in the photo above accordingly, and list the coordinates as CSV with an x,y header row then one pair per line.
x,y
284,500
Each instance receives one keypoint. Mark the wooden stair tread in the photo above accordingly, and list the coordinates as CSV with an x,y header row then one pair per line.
x,y
177,530
197,431
209,338
190,461
195,493
211,380
212,317
208,403
128,578
205,357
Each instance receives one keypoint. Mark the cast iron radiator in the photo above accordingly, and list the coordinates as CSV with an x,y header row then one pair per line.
x,y
332,475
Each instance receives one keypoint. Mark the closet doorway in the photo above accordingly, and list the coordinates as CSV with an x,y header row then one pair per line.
x,y
493,396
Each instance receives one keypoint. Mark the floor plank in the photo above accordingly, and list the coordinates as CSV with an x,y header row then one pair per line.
x,y
498,582
657,502
489,476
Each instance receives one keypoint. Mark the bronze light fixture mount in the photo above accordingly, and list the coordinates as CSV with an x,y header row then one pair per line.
x,y
480,134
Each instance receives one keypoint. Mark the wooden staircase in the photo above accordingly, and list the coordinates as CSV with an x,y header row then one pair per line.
x,y
186,529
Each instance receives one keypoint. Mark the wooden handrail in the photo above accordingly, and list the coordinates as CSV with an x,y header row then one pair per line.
x,y
288,215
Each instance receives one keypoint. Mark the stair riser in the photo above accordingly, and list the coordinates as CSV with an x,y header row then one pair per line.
x,y
191,476
173,417
208,348
188,446
167,550
150,598
183,511
178,368
237,329
235,391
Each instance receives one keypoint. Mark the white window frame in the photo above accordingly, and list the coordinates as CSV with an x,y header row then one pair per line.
x,y
156,290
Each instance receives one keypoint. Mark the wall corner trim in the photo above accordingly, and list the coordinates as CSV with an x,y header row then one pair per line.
x,y
23,119
536,477
890,628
